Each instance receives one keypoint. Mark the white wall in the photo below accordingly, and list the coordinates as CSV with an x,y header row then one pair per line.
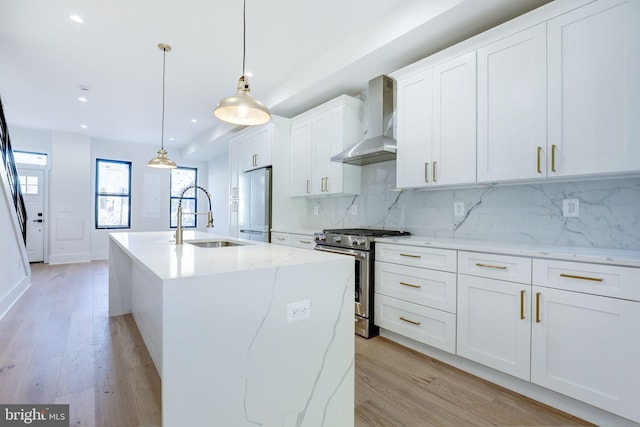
x,y
72,159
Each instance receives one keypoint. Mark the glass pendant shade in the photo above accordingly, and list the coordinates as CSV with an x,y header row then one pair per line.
x,y
241,108
162,161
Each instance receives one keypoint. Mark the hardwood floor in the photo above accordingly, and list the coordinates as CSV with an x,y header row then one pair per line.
x,y
59,346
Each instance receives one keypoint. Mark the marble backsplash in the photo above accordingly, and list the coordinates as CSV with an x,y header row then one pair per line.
x,y
609,210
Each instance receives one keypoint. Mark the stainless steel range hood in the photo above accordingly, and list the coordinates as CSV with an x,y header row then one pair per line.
x,y
377,147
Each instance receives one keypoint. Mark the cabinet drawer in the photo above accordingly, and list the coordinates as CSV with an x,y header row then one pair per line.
x,y
427,325
492,266
438,259
281,239
302,241
431,288
597,279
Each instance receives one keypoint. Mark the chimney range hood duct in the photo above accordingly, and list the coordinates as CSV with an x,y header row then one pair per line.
x,y
377,147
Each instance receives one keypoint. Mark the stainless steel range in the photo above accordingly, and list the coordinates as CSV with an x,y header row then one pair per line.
x,y
359,243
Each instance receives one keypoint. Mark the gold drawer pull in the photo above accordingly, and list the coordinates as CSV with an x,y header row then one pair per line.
x,y
413,322
537,307
306,242
279,238
522,305
411,256
411,285
571,276
553,158
499,267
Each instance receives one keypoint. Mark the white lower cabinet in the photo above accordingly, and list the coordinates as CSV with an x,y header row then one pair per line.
x,y
587,347
494,326
417,302
298,240
429,326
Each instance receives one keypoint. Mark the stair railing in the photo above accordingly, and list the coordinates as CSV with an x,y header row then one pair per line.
x,y
12,174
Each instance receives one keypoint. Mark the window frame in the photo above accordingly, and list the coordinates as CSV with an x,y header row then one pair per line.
x,y
172,198
98,194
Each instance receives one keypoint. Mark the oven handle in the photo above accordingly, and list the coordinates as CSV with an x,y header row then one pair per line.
x,y
353,252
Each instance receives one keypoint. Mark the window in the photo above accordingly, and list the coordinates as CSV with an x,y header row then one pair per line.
x,y
29,158
28,184
113,194
182,177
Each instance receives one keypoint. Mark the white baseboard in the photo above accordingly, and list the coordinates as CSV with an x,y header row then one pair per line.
x,y
14,295
69,258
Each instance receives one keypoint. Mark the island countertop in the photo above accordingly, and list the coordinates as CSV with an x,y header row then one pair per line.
x,y
158,252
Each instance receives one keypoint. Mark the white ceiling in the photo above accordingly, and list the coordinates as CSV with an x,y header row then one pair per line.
x,y
301,54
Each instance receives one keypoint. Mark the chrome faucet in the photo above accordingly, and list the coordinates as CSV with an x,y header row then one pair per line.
x,y
179,230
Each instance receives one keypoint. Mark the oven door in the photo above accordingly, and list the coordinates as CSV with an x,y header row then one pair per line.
x,y
362,276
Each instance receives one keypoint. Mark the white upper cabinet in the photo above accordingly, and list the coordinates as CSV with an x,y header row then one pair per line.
x,y
257,147
316,136
512,107
414,136
454,121
594,89
436,113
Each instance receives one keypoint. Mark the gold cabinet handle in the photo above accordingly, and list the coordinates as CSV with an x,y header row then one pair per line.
x,y
499,267
279,238
426,171
411,285
413,322
522,305
306,242
571,276
255,160
322,184
539,167
553,157
308,182
537,307
434,173
326,183
411,256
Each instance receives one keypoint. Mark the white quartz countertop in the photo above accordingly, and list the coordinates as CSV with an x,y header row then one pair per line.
x,y
569,253
158,252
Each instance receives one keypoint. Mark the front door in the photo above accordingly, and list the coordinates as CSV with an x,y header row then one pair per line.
x,y
32,186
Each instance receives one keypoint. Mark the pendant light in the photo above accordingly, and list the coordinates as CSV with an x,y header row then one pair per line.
x,y
161,160
241,108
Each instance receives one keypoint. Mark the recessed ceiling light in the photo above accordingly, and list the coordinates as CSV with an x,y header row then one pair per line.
x,y
194,120
83,126
76,18
172,139
82,99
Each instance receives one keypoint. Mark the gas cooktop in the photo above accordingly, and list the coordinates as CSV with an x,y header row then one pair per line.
x,y
366,232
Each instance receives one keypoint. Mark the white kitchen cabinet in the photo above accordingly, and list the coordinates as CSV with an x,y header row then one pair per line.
x,y
279,238
316,136
297,240
594,90
585,346
414,301
512,107
494,295
436,132
235,166
257,146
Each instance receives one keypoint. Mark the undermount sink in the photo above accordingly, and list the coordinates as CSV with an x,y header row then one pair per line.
x,y
213,243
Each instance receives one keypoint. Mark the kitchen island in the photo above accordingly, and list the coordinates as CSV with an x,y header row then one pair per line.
x,y
254,334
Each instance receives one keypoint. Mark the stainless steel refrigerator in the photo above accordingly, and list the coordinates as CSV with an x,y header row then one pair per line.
x,y
254,205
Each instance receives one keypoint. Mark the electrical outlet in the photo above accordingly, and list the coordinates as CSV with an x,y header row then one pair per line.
x,y
570,208
299,310
354,209
315,210
458,209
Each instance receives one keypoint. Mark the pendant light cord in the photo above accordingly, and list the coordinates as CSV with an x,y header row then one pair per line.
x,y
164,60
244,33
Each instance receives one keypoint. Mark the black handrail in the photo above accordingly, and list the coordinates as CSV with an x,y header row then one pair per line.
x,y
12,174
